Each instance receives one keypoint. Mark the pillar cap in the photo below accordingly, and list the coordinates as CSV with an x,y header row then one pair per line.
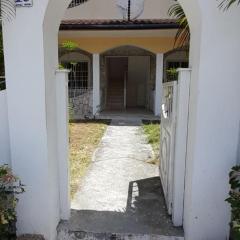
x,y
184,70
62,71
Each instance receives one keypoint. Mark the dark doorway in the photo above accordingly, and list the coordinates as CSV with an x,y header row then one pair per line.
x,y
117,68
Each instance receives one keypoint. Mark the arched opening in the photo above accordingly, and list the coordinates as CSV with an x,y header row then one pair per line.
x,y
125,76
128,75
40,79
80,81
213,115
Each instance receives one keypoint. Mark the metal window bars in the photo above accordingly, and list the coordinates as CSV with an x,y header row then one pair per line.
x,y
79,77
76,3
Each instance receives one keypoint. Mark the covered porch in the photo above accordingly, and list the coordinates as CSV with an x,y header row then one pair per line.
x,y
118,73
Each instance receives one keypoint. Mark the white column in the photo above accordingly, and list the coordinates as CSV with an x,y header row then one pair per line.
x,y
32,158
96,83
158,88
63,142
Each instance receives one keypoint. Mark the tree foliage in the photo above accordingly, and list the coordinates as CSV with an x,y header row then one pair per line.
x,y
8,9
182,37
234,200
226,4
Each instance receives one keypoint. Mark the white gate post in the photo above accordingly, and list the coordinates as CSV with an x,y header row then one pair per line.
x,y
158,88
96,83
63,141
184,77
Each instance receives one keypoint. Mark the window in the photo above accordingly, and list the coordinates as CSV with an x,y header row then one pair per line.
x,y
75,3
79,75
177,65
171,71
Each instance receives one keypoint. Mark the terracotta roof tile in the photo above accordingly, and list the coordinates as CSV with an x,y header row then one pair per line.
x,y
101,24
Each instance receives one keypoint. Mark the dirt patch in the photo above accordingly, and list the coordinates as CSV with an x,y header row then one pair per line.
x,y
84,138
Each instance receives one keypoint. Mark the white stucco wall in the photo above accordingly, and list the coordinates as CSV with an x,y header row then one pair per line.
x,y
4,130
95,9
213,118
32,117
213,134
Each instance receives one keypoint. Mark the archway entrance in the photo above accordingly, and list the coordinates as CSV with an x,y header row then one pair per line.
x,y
130,78
210,154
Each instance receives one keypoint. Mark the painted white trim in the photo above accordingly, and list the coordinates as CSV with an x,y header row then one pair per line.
x,y
63,142
180,152
5,153
158,88
96,83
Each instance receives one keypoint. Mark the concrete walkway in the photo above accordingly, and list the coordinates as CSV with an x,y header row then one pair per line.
x,y
121,193
120,159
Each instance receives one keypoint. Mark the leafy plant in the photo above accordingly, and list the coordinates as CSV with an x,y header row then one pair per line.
x,y
8,9
234,201
10,186
226,4
69,45
182,37
172,74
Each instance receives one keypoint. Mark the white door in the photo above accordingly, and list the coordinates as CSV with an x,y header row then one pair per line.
x,y
174,126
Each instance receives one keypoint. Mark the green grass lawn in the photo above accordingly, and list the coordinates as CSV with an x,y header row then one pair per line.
x,y
152,131
84,139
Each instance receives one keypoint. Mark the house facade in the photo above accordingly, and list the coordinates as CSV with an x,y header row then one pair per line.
x,y
130,55
37,139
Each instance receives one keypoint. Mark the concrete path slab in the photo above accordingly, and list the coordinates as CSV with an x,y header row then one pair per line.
x,y
120,159
121,193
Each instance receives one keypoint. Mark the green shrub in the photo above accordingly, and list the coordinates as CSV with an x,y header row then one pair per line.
x,y
10,187
172,74
234,200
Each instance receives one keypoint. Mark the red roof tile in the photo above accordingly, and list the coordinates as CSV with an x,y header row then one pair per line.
x,y
101,24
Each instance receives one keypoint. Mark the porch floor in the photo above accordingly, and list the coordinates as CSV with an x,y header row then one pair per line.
x,y
121,195
140,113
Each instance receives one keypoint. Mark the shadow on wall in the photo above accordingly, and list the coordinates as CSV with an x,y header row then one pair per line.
x,y
145,213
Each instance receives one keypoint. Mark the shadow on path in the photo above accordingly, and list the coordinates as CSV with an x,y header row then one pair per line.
x,y
145,213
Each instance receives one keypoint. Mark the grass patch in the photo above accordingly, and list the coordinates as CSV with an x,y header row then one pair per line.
x,y
152,130
84,139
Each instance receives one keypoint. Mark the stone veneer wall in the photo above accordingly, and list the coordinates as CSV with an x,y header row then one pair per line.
x,y
80,106
128,51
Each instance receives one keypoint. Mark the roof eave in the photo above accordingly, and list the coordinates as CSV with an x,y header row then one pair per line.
x,y
152,26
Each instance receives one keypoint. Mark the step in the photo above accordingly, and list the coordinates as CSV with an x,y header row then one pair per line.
x,y
64,233
110,99
114,102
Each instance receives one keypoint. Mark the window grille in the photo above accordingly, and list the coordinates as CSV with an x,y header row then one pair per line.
x,y
78,78
172,66
177,65
76,3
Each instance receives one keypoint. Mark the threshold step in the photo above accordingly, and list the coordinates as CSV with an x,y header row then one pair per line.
x,y
64,234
